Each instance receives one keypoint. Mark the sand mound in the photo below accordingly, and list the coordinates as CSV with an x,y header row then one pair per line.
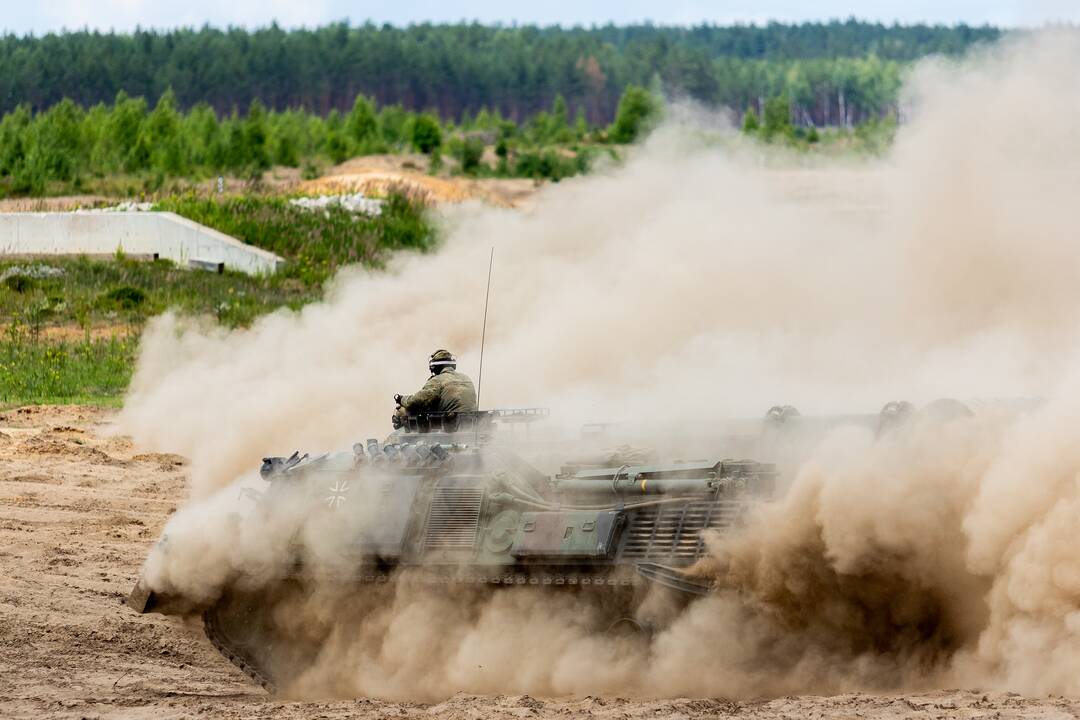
x,y
67,430
376,181
44,444
162,461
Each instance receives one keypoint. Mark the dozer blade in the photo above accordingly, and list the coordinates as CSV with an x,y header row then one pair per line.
x,y
253,629
141,599
236,625
259,632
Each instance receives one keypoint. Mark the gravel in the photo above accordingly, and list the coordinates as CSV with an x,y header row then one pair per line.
x,y
354,203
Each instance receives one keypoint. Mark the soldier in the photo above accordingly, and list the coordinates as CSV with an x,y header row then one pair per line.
x,y
446,391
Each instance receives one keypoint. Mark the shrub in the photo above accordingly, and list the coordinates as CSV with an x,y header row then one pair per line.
x,y
124,297
549,165
310,170
777,118
19,283
470,152
750,123
426,134
638,111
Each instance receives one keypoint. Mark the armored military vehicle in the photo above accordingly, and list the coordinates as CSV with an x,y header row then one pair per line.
x,y
450,500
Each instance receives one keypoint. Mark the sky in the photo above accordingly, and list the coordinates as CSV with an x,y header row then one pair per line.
x,y
43,16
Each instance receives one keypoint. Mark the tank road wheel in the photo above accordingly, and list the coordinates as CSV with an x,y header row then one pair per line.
x,y
244,627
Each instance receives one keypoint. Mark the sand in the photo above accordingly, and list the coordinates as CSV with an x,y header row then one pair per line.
x,y
376,175
79,509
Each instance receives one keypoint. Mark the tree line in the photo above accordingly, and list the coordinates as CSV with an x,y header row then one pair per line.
x,y
69,147
835,73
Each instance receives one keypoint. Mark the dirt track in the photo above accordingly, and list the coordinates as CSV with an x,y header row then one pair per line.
x,y
78,512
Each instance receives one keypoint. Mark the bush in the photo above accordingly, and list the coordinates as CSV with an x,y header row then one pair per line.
x,y
19,283
637,113
310,170
124,297
750,123
549,165
777,118
402,227
470,152
426,134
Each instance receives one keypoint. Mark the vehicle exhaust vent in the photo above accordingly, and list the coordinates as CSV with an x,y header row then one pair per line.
x,y
673,534
454,517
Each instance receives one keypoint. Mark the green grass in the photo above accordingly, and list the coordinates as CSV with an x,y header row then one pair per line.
x,y
873,138
92,297
89,372
51,349
316,243
91,293
125,292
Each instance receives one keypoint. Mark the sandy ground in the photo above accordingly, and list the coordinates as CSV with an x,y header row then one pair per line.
x,y
73,333
64,203
78,512
370,174
378,174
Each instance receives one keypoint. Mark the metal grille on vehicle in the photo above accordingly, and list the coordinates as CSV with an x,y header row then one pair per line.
x,y
453,517
672,534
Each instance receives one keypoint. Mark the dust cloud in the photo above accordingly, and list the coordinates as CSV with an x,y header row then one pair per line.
x,y
706,278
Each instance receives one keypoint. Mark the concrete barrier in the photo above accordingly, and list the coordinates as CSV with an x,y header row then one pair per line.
x,y
137,233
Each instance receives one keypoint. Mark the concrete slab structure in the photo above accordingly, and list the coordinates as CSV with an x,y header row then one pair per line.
x,y
136,233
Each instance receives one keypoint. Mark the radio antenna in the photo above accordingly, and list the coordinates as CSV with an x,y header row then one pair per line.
x,y
483,332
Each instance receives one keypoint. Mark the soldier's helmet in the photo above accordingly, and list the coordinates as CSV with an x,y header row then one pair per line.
x,y
441,359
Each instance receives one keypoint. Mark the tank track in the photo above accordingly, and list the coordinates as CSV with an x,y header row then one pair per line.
x,y
545,579
235,655
250,666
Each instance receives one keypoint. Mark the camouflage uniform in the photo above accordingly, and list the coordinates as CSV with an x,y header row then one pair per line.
x,y
449,391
